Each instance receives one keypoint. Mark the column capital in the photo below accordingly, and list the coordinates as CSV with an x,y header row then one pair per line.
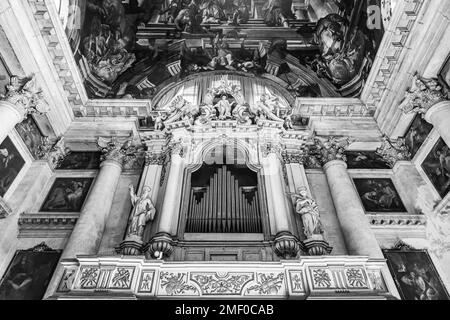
x,y
23,95
152,158
329,149
393,151
422,95
289,158
271,148
115,151
54,153
435,109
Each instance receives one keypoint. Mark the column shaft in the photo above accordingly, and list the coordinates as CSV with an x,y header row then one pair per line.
x,y
359,238
10,115
87,234
439,116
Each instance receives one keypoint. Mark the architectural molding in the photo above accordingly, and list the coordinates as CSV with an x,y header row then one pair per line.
x,y
45,225
351,276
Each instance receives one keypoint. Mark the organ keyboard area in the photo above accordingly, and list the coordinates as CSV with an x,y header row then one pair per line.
x,y
224,206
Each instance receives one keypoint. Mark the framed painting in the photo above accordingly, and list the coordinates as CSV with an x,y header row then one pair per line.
x,y
31,135
11,162
379,195
29,274
67,195
365,160
415,275
417,134
437,167
81,160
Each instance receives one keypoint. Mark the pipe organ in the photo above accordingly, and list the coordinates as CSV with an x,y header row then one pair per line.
x,y
224,206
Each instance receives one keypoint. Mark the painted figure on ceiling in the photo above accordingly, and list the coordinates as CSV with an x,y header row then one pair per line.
x,y
211,11
277,12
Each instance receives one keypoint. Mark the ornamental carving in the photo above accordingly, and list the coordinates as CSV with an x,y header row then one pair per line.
x,y
423,94
321,278
67,280
289,158
213,284
355,278
323,150
176,283
376,280
394,150
146,281
114,150
296,281
122,278
155,158
23,93
267,284
89,277
53,153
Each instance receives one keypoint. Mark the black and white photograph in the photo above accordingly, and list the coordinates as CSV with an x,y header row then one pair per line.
x,y
415,275
379,195
11,162
67,195
241,150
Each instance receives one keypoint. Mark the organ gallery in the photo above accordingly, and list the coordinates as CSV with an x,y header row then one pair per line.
x,y
224,149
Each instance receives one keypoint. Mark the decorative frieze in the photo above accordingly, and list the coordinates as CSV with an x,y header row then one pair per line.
x,y
299,278
397,220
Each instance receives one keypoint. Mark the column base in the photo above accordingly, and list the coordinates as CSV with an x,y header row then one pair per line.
x,y
160,246
317,247
286,245
131,246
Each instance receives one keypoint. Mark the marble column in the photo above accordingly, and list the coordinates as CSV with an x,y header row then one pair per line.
x,y
359,238
161,243
439,116
18,102
88,232
285,243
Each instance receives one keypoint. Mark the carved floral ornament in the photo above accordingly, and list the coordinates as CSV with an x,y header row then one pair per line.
x,y
121,152
422,95
23,93
394,150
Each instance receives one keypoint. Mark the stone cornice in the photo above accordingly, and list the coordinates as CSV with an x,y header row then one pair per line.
x,y
397,220
46,224
334,107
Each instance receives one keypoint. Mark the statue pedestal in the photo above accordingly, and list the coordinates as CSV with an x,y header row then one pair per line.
x,y
286,245
160,246
317,246
131,246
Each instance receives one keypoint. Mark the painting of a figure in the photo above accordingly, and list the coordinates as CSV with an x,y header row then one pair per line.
x,y
365,160
28,275
437,167
84,160
31,135
415,275
379,195
417,133
11,162
67,195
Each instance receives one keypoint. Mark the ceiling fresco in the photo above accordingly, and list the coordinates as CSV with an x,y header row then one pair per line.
x,y
130,49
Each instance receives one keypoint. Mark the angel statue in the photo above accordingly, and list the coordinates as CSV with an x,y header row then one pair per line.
x,y
308,209
143,211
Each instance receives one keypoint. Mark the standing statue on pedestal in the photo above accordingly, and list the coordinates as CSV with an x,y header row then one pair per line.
x,y
308,209
143,211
